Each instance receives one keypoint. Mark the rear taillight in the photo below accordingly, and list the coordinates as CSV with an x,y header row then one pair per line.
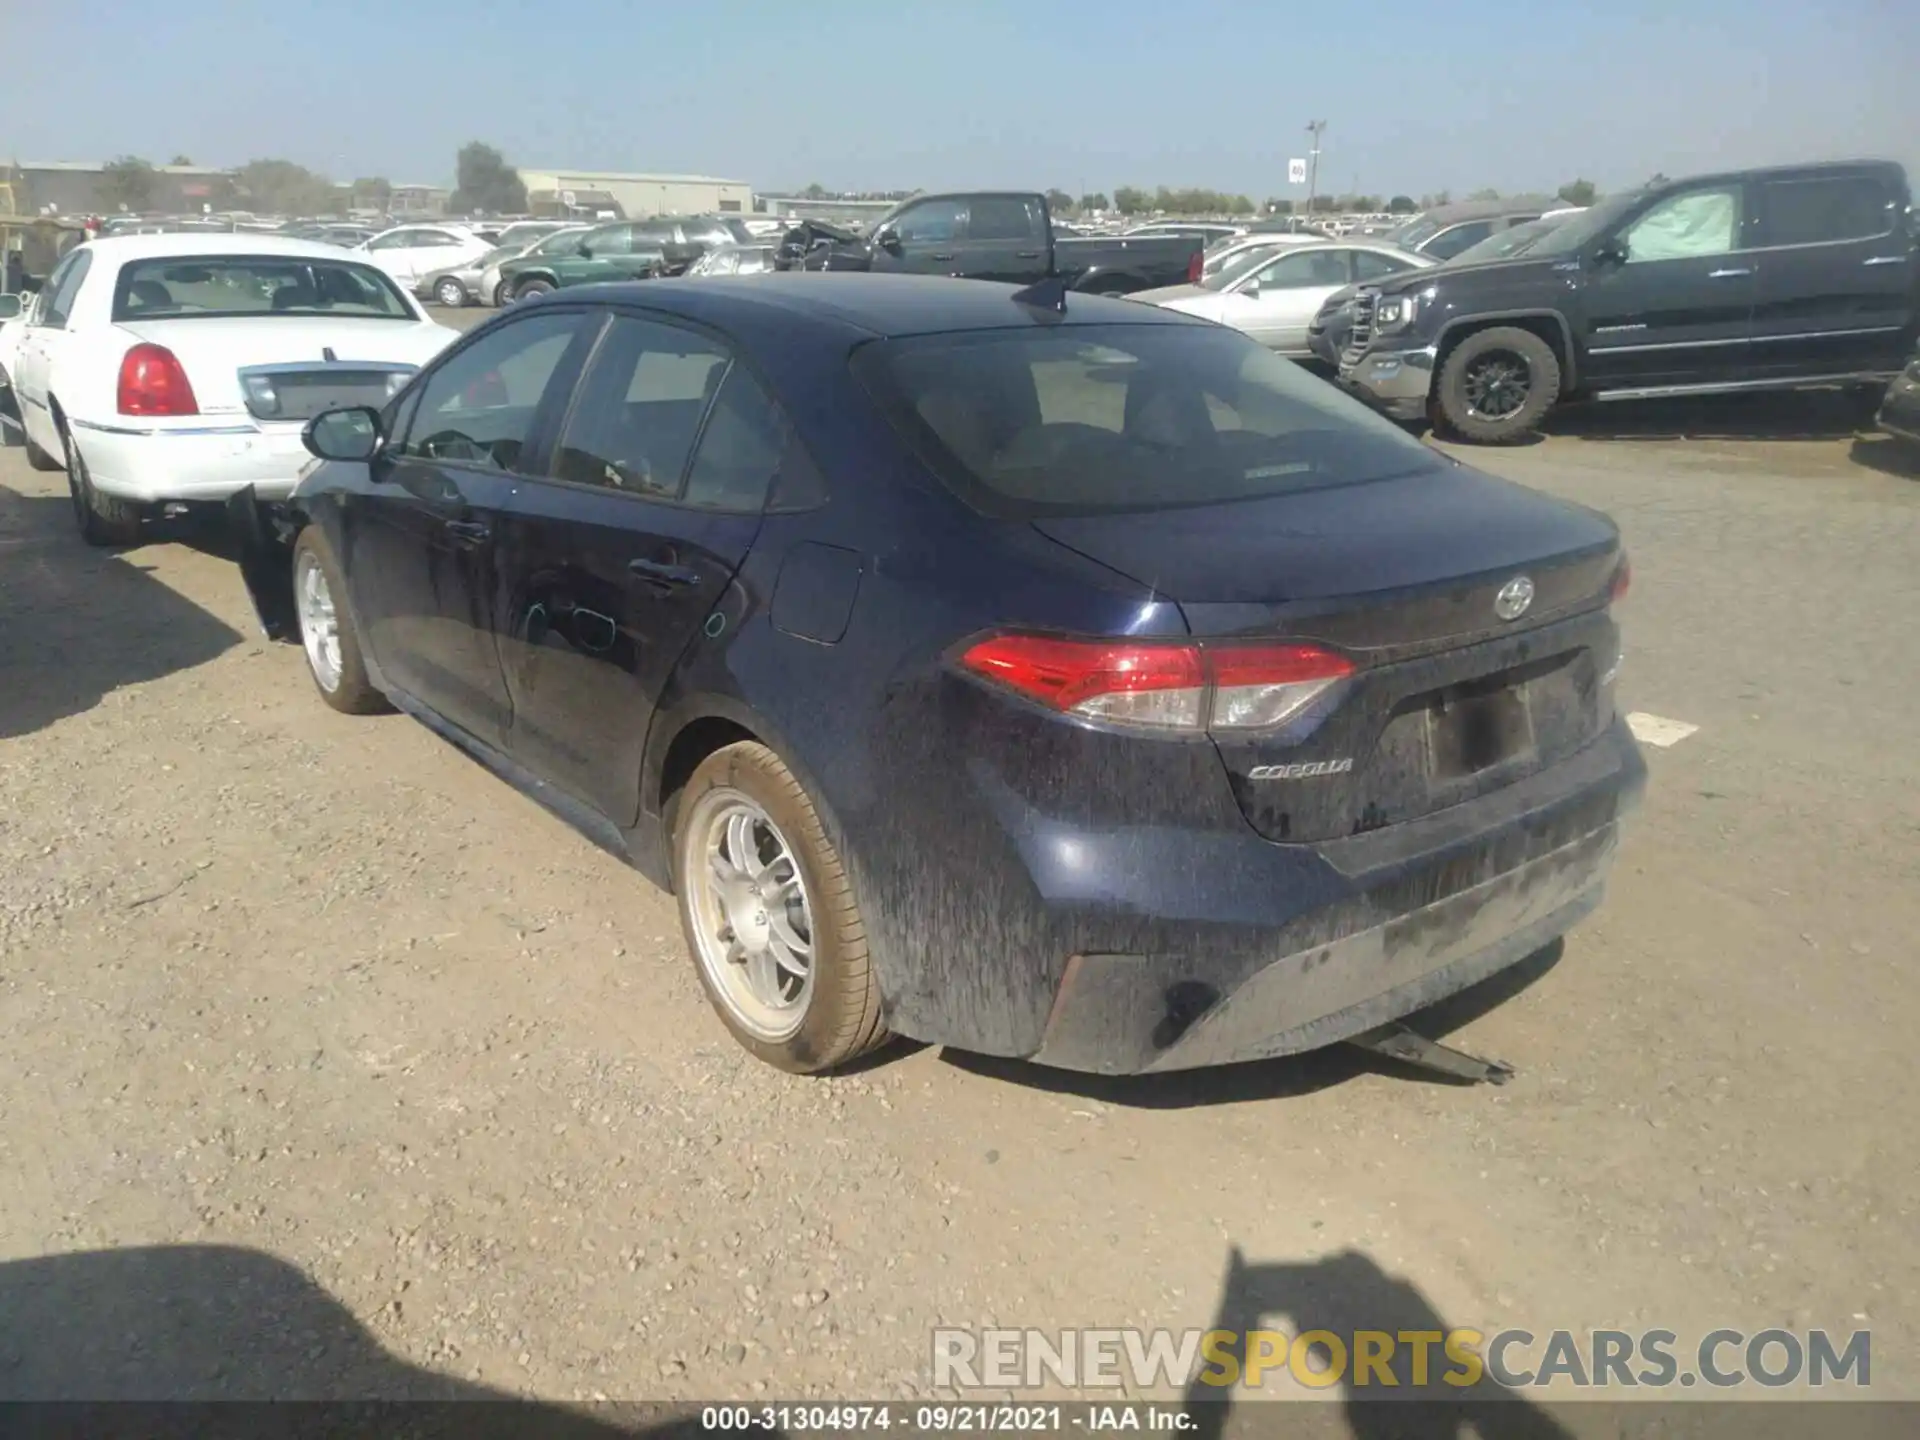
x,y
1196,267
1226,686
153,382
1622,578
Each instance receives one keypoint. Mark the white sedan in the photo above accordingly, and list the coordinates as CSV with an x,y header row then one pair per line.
x,y
1273,297
410,253
160,370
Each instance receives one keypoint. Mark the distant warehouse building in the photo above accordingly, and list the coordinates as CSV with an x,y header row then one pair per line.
x,y
632,197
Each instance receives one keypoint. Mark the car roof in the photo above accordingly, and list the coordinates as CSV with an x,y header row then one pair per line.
x,y
211,242
867,306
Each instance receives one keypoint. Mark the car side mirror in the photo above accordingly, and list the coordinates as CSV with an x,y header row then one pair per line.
x,y
352,433
1613,251
9,307
889,241
1251,289
583,250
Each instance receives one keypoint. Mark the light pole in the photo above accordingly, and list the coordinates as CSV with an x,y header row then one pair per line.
x,y
1315,128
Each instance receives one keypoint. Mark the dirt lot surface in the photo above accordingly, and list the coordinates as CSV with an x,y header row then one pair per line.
x,y
435,1077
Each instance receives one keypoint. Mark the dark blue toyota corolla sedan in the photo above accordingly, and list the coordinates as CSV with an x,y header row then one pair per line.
x,y
1049,677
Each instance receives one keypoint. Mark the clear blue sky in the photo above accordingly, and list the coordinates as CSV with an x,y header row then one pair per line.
x,y
882,94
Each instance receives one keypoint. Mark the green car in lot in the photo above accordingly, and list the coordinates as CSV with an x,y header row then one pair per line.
x,y
606,252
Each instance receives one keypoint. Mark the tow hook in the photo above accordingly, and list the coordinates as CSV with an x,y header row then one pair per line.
x,y
1397,1042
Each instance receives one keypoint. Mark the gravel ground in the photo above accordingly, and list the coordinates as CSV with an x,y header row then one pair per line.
x,y
429,1082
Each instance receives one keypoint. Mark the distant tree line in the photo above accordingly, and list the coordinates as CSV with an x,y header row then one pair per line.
x,y
485,182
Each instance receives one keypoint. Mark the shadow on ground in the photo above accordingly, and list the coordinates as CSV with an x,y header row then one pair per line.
x,y
1283,1079
194,1339
1889,456
78,623
1790,415
1347,1295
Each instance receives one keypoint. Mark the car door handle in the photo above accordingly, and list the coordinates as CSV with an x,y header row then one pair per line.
x,y
1886,260
468,532
660,572
1727,274
938,256
1026,254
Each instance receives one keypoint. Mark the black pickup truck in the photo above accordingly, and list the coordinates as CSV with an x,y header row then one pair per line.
x,y
1774,279
996,235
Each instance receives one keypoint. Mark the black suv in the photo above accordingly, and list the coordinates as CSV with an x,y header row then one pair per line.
x,y
1755,280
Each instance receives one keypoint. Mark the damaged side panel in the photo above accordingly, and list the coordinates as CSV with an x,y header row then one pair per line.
x,y
266,531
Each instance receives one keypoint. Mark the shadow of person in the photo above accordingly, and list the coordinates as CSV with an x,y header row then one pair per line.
x,y
191,1340
77,624
1346,1294
1289,1077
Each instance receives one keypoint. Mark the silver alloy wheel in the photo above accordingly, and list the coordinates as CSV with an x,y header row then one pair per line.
x,y
319,625
752,919
452,293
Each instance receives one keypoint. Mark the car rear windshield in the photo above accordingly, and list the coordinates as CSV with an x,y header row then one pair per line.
x,y
180,286
1099,418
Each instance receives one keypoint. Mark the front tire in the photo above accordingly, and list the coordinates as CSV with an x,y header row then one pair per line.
x,y
103,520
527,289
1498,385
769,913
327,635
450,293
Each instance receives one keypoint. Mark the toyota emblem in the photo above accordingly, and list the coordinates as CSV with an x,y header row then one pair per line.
x,y
1514,598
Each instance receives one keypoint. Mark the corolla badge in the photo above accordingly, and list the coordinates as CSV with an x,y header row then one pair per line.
x,y
1514,598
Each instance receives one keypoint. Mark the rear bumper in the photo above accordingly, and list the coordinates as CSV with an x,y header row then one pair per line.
x,y
1429,907
207,462
1396,382
1900,411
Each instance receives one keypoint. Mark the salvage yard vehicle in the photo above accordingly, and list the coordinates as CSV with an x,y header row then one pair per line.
x,y
1900,412
621,250
1035,673
1446,230
1273,298
1771,279
407,252
1006,236
163,370
1329,331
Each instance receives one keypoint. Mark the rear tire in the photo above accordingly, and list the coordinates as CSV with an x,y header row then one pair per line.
x,y
103,520
759,882
451,293
527,289
327,636
1498,385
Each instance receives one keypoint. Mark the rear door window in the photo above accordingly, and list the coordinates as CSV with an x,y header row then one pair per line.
x,y
1826,209
638,408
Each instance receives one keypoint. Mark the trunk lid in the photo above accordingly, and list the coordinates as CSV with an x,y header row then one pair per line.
x,y
291,354
1450,698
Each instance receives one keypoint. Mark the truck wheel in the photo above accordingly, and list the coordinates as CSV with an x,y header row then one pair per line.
x,y
527,289
769,913
326,632
1498,385
103,520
